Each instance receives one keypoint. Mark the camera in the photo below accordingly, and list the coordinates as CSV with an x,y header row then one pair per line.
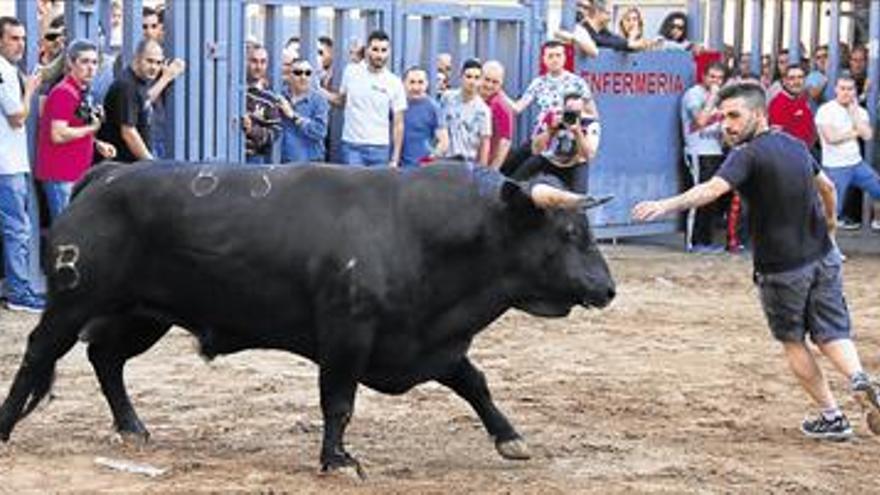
x,y
569,117
88,111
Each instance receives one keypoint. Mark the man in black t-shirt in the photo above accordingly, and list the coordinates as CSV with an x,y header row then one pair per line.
x,y
127,108
797,264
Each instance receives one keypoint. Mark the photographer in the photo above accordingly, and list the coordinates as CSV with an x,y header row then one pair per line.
x,y
566,140
70,119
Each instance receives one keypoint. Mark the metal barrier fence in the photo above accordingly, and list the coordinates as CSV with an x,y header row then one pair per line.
x,y
207,102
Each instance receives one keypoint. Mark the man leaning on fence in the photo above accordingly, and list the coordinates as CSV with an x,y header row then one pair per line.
x,y
262,122
126,106
16,92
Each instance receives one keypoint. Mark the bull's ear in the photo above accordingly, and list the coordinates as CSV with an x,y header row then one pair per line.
x,y
592,201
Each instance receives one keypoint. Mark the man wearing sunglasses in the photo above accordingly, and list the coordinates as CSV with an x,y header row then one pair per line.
x,y
369,93
304,114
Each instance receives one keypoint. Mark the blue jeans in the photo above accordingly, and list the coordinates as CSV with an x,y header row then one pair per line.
x,y
860,175
256,159
365,154
57,196
16,227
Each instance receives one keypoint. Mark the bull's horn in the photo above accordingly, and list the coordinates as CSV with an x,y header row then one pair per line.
x,y
545,196
592,201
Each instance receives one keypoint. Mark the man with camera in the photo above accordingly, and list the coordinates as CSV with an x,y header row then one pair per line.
x,y
66,141
566,140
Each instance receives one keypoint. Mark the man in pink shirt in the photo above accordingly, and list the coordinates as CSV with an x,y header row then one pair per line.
x,y
66,140
502,115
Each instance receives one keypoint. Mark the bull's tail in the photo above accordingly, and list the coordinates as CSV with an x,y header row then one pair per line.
x,y
42,385
100,171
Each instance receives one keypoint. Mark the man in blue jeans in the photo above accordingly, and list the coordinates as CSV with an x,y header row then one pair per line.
x,y
841,122
15,171
797,265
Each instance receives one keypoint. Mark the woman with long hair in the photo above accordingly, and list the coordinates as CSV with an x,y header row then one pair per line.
x,y
673,32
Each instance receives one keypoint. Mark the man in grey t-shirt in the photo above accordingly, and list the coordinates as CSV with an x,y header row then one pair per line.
x,y
468,118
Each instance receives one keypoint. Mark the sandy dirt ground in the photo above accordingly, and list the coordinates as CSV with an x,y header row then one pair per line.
x,y
675,388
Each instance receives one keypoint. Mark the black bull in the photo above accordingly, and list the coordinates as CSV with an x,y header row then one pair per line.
x,y
381,278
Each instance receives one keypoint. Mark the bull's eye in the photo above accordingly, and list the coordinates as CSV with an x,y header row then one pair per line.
x,y
571,231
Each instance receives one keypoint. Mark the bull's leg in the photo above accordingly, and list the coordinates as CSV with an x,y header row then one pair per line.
x,y
337,405
52,338
117,340
470,384
341,363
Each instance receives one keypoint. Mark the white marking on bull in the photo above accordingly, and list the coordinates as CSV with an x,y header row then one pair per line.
x,y
65,266
204,183
262,189
351,264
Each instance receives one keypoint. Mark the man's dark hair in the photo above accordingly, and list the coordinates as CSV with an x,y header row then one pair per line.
x,y
148,11
290,41
78,47
326,41
57,22
552,44
414,68
471,63
752,93
574,95
7,21
716,66
377,35
845,75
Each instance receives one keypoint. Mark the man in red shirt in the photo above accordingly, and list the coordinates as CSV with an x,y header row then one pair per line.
x,y
66,140
502,115
790,108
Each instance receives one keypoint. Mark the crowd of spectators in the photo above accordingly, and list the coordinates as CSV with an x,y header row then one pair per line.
x,y
831,122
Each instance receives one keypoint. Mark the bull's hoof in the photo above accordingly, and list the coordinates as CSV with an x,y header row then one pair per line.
x,y
348,468
873,420
514,450
349,473
133,438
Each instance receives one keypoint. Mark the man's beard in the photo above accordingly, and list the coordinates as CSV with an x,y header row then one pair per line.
x,y
747,134
377,64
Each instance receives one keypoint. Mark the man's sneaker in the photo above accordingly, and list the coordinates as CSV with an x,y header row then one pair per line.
x,y
31,305
847,224
875,225
868,391
707,249
837,429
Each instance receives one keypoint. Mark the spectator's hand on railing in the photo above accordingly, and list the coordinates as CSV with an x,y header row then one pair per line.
x,y
174,68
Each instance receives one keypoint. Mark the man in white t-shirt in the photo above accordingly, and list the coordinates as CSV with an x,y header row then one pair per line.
x,y
468,118
15,171
841,122
370,93
701,127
